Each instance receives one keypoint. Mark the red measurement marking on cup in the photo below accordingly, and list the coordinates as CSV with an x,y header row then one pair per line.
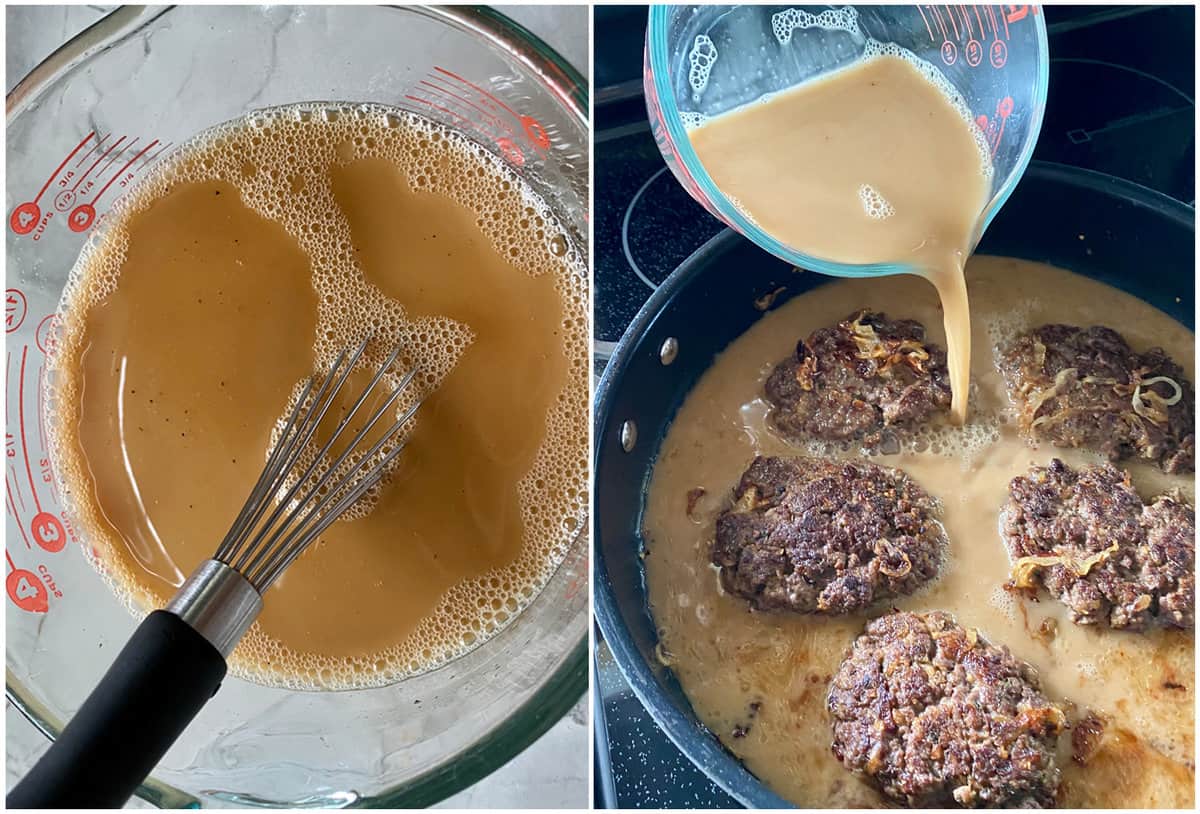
x,y
154,156
958,35
991,12
506,146
104,154
46,335
28,216
1016,13
114,155
949,52
532,128
44,465
12,490
993,129
15,308
1004,109
83,216
25,588
448,93
93,149
65,198
21,424
576,585
953,22
500,131
998,54
12,493
949,47
937,16
926,21
77,181
457,118
45,529
48,532
470,106
973,50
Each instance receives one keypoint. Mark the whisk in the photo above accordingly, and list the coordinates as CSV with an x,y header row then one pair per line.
x,y
175,660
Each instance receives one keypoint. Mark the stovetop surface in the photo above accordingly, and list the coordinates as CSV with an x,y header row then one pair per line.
x,y
1121,101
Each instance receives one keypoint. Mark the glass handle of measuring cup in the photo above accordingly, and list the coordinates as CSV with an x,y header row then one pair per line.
x,y
159,682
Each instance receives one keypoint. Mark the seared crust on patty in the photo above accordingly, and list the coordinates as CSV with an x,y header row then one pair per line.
x,y
1085,387
866,378
820,536
935,715
1086,536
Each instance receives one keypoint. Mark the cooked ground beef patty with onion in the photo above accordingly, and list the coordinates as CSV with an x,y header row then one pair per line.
x,y
935,716
1086,537
866,378
1085,387
820,536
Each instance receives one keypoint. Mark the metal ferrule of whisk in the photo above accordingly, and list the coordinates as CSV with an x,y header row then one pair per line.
x,y
286,512
219,603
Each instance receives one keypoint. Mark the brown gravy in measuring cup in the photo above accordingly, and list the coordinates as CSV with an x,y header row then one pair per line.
x,y
243,264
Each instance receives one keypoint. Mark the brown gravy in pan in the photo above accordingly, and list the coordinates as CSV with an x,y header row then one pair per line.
x,y
728,657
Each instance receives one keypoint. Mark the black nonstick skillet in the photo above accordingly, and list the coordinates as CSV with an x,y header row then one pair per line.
x,y
1137,240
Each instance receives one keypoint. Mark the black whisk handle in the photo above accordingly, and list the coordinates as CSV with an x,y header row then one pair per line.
x,y
157,685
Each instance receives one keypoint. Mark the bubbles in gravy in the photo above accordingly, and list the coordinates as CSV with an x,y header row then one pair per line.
x,y
759,680
248,260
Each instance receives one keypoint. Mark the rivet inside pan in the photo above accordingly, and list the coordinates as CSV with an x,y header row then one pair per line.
x,y
669,350
628,436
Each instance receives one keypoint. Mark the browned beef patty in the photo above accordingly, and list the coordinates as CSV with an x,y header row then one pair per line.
x,y
935,715
822,536
1085,387
867,378
1087,537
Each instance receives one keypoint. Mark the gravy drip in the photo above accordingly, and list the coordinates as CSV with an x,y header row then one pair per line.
x,y
728,657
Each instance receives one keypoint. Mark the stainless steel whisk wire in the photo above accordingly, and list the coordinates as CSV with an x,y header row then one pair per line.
x,y
295,523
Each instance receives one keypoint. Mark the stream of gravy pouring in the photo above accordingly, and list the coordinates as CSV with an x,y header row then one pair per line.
x,y
879,162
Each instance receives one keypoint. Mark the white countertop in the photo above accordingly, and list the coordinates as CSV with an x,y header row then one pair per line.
x,y
553,772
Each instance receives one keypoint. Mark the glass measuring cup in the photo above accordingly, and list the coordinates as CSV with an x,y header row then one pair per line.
x,y
85,125
702,61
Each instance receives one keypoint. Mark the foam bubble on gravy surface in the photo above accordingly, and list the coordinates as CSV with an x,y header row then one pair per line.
x,y
759,680
248,260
